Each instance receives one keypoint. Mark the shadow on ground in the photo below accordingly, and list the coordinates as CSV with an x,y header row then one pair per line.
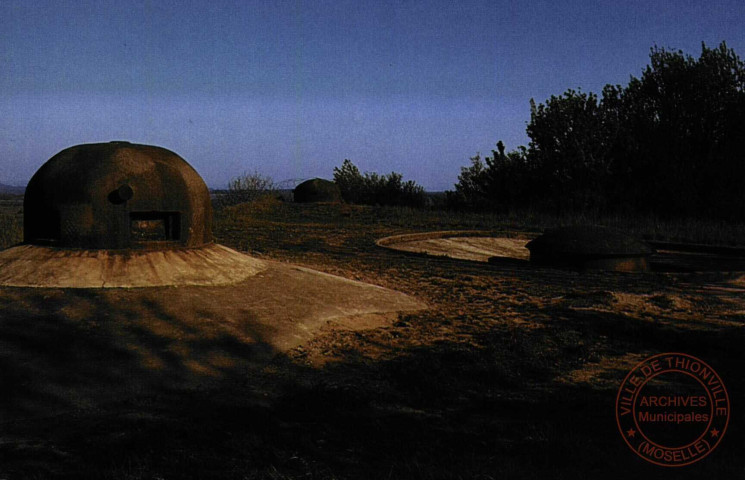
x,y
101,386
511,374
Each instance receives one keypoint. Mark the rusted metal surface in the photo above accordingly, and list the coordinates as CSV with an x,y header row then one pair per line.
x,y
117,195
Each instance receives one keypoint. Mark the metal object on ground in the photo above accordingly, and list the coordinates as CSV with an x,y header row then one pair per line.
x,y
587,247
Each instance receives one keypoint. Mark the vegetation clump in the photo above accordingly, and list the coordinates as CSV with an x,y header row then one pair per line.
x,y
374,189
247,188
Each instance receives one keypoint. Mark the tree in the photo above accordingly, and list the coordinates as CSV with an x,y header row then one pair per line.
x,y
669,142
471,190
350,182
495,183
682,119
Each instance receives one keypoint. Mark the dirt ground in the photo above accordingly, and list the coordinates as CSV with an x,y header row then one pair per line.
x,y
511,373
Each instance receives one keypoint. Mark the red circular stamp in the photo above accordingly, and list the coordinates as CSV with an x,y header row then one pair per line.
x,y
672,409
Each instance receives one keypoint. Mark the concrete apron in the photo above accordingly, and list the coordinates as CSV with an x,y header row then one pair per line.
x,y
63,349
37,266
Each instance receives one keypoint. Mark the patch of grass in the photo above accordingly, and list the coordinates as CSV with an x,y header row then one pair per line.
x,y
11,230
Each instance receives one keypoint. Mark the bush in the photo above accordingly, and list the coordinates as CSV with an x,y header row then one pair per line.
x,y
247,188
374,189
493,183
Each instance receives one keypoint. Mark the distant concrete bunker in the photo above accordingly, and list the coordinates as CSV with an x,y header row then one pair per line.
x,y
317,190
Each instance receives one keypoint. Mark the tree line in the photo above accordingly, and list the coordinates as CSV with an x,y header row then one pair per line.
x,y
671,142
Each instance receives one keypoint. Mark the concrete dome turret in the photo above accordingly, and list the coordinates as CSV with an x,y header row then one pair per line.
x,y
119,215
117,195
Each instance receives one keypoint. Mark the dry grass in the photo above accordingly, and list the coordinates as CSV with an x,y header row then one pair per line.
x,y
11,221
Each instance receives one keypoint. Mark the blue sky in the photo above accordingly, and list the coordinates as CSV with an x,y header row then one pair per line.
x,y
292,88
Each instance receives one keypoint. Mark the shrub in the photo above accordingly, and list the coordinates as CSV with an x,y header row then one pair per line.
x,y
493,183
374,189
247,188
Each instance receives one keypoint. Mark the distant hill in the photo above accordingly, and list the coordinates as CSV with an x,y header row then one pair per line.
x,y
11,189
